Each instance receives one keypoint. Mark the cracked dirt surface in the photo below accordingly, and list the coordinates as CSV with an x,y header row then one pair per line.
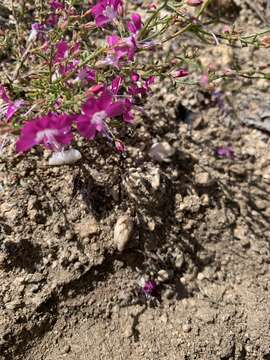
x,y
67,293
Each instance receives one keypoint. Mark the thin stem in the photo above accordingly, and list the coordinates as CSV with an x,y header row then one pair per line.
x,y
203,8
143,31
180,32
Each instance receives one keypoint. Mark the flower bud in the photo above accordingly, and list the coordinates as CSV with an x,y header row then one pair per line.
x,y
194,2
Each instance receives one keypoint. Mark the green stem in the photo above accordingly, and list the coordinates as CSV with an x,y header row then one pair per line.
x,y
143,31
256,34
180,32
203,8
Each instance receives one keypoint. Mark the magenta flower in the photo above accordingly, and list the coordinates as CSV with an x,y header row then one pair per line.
x,y
53,131
10,107
106,11
67,68
225,152
119,146
120,51
135,24
180,73
62,50
37,32
86,74
127,104
55,5
139,88
194,2
3,94
149,288
135,77
52,20
94,113
116,84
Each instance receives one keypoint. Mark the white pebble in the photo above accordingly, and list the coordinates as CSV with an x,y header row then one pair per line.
x,y
161,151
122,232
65,157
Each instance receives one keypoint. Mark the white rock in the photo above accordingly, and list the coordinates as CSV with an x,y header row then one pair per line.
x,y
161,151
122,232
164,275
65,157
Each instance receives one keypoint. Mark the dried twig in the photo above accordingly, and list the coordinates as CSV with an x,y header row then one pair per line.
x,y
22,60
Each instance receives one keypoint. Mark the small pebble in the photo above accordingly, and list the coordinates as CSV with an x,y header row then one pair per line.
x,y
164,275
179,261
168,294
66,349
186,328
161,152
123,231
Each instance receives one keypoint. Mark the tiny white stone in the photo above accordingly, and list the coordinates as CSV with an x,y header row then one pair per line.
x,y
161,151
122,232
65,157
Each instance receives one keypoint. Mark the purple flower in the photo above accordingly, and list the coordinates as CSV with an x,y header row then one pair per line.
x,y
116,84
119,146
120,50
139,88
10,107
135,77
150,288
225,152
135,24
37,32
180,73
86,74
3,94
106,11
67,68
53,131
62,50
55,5
52,20
94,113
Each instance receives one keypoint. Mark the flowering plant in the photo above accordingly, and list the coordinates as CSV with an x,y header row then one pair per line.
x,y
85,62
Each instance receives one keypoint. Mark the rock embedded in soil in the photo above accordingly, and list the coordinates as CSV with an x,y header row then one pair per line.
x,y
203,179
67,157
87,227
179,261
161,152
164,275
123,232
186,328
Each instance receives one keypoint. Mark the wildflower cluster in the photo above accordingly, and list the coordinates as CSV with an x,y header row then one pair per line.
x,y
95,62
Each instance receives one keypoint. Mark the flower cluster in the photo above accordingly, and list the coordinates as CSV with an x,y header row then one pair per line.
x,y
94,62
102,101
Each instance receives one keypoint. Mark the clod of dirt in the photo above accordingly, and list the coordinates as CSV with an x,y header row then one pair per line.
x,y
123,231
146,186
161,152
87,227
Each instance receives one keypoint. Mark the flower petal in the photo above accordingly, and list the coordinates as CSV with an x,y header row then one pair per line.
x,y
116,109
